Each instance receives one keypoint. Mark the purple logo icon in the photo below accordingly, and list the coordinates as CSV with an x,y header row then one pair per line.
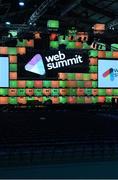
x,y
36,65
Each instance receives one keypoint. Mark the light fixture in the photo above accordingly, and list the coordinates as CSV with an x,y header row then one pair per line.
x,y
34,24
7,23
21,3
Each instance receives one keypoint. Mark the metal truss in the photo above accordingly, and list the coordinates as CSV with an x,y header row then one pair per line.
x,y
112,24
41,10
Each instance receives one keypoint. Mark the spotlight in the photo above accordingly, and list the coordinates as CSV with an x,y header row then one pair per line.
x,y
34,24
7,23
21,3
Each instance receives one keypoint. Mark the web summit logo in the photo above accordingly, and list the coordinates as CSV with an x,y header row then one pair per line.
x,y
110,74
59,60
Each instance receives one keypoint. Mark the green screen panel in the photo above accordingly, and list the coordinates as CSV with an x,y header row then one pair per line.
x,y
12,51
80,100
71,76
3,92
94,84
62,84
93,69
54,44
13,100
29,84
102,92
80,84
102,46
63,100
114,47
86,77
30,98
13,84
93,53
71,45
38,92
72,92
109,54
115,92
21,43
94,100
85,46
63,39
88,92
46,84
46,99
53,24
108,99
21,92
54,92
13,67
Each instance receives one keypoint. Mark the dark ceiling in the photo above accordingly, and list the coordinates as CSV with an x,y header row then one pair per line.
x,y
79,13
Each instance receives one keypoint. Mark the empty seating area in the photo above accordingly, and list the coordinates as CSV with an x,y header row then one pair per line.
x,y
33,136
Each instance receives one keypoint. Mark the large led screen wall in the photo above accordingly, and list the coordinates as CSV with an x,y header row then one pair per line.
x,y
66,72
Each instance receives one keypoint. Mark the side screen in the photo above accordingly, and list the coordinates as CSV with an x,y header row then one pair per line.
x,y
108,73
4,72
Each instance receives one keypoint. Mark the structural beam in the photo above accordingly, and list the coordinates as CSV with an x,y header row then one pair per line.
x,y
70,7
112,24
40,11
98,10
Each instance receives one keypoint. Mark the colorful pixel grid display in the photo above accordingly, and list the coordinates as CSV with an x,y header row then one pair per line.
x,y
71,88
